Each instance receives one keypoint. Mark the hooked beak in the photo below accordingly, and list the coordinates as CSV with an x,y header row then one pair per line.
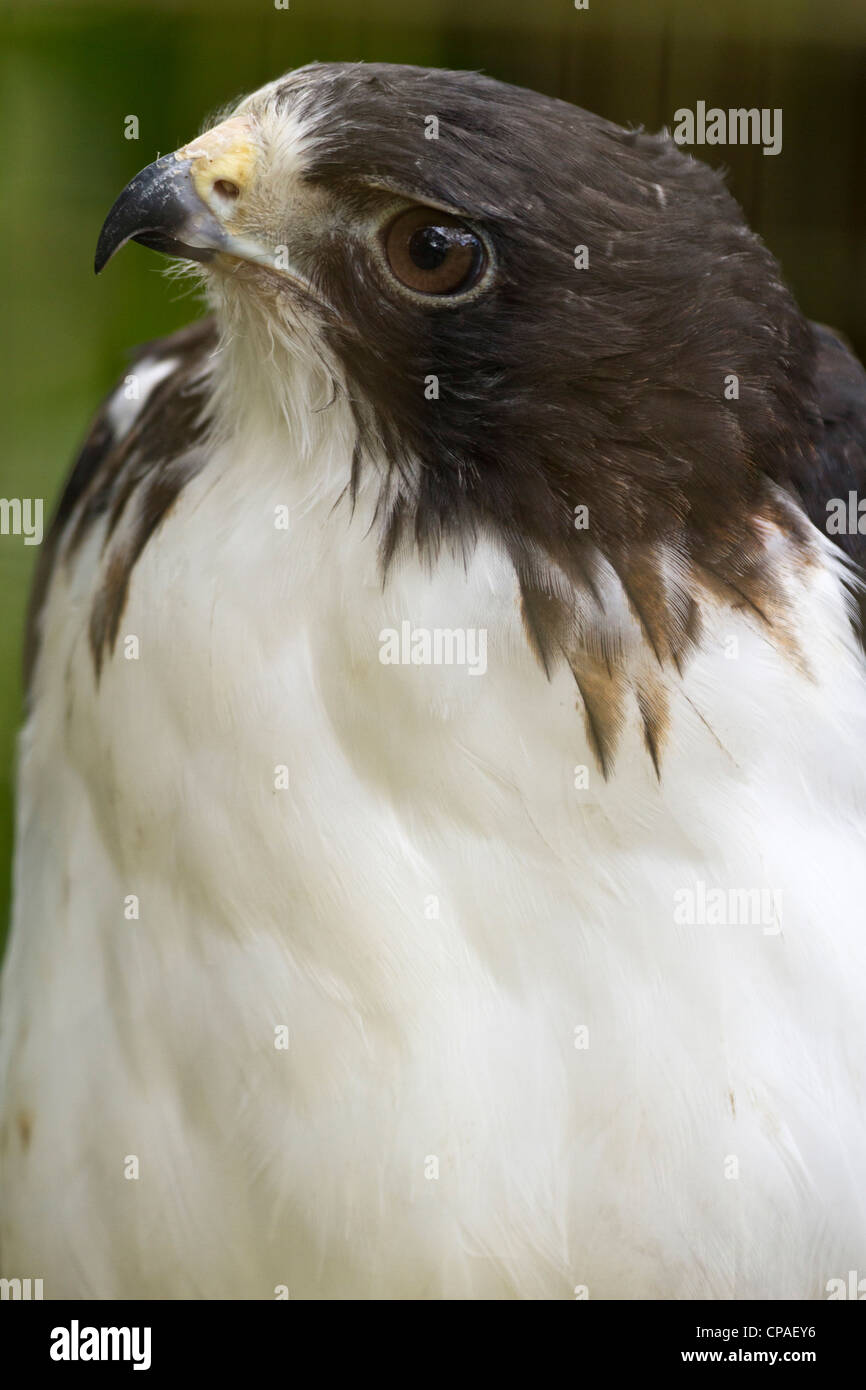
x,y
178,204
161,209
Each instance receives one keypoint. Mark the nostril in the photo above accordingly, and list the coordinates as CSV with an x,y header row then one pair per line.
x,y
226,189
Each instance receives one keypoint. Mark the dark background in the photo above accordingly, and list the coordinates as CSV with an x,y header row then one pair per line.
x,y
72,72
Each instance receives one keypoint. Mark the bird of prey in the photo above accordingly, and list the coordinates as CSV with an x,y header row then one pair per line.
x,y
441,846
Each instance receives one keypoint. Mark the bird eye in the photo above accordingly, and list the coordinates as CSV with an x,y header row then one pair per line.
x,y
434,253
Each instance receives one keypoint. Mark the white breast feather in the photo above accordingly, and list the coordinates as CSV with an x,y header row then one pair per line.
x,y
435,911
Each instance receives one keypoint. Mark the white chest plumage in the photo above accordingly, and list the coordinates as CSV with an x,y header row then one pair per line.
x,y
385,989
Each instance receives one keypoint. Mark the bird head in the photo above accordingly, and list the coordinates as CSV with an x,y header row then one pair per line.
x,y
530,310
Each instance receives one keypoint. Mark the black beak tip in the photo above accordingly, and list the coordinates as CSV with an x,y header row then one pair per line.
x,y
109,241
104,253
160,209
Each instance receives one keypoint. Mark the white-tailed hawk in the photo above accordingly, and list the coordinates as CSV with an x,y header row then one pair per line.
x,y
441,854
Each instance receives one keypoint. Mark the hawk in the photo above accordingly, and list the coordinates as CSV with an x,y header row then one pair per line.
x,y
441,845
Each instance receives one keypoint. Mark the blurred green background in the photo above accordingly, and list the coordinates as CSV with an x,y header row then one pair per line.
x,y
72,72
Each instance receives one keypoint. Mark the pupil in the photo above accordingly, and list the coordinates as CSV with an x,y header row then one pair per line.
x,y
428,247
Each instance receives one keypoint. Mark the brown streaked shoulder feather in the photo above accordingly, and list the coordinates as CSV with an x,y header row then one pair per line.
x,y
144,467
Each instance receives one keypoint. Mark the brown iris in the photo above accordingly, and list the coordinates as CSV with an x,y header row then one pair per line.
x,y
433,252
